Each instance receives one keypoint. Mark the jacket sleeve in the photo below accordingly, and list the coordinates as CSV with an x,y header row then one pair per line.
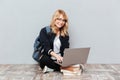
x,y
65,44
45,41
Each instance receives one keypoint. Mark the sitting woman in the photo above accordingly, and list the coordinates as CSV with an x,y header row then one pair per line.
x,y
54,42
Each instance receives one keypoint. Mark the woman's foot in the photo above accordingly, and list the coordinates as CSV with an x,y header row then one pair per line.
x,y
47,70
82,68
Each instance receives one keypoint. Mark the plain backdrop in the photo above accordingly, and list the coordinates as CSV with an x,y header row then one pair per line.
x,y
92,23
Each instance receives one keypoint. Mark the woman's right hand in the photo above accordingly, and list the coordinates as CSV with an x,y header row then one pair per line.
x,y
58,57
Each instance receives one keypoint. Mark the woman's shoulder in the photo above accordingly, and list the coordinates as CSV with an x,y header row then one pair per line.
x,y
43,28
46,29
65,37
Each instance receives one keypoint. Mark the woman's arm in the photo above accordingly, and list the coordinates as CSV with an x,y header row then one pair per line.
x,y
45,41
65,44
58,57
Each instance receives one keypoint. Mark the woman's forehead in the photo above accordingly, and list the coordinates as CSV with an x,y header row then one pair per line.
x,y
60,16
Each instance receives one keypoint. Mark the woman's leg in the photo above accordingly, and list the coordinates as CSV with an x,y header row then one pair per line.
x,y
46,60
42,65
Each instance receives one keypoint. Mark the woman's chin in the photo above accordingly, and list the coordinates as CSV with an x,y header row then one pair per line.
x,y
59,27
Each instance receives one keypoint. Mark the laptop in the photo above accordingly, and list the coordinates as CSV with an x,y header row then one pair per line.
x,y
75,56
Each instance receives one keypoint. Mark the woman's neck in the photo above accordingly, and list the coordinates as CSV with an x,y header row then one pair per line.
x,y
58,33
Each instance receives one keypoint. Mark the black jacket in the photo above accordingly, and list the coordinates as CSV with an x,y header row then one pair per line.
x,y
47,40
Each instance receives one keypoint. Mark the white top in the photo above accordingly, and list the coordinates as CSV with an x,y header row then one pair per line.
x,y
56,46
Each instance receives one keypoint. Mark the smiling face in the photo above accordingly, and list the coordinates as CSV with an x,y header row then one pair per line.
x,y
60,21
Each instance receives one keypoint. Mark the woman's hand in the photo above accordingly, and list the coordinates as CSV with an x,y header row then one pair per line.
x,y
58,57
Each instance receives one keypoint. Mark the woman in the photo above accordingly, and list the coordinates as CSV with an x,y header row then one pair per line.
x,y
55,42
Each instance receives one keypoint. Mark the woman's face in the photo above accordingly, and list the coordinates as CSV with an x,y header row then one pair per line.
x,y
60,22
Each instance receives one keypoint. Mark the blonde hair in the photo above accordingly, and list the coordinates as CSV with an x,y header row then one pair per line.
x,y
64,29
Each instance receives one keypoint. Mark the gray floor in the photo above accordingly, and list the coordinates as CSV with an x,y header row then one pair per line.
x,y
33,72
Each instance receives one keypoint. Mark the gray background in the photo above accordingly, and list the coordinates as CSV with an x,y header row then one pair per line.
x,y
93,23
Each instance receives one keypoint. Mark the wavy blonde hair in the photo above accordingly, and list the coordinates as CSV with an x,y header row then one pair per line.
x,y
64,29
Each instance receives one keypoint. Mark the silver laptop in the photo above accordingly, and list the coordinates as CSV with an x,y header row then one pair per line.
x,y
75,56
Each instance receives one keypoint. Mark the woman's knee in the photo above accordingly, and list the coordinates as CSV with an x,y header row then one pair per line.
x,y
45,58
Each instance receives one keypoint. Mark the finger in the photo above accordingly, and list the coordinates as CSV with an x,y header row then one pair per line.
x,y
58,60
62,59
